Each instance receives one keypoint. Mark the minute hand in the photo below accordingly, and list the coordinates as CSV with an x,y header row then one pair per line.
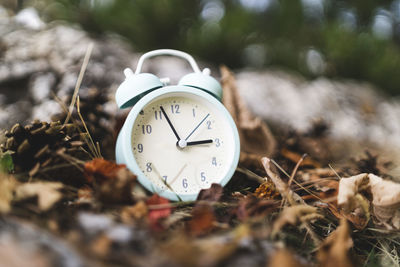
x,y
170,124
198,125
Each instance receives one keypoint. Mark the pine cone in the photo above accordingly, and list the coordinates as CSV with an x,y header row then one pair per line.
x,y
45,150
98,121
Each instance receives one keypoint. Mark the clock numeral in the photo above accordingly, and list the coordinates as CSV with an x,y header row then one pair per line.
x,y
175,109
214,161
165,178
140,148
158,115
217,142
209,125
148,167
184,183
194,112
146,129
203,176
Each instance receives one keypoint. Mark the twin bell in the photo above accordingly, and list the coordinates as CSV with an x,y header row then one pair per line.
x,y
137,85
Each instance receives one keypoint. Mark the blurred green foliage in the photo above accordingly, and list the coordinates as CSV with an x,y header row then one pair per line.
x,y
356,39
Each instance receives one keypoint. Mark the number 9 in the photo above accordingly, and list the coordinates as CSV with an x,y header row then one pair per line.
x,y
140,148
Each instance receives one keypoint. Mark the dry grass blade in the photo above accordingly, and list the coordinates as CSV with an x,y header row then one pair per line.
x,y
79,81
296,168
281,186
90,143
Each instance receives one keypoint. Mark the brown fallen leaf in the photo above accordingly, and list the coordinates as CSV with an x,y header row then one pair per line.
x,y
385,198
284,258
99,170
85,195
251,207
47,193
213,194
295,157
210,251
322,179
294,215
133,213
101,246
202,221
335,249
256,138
112,183
7,186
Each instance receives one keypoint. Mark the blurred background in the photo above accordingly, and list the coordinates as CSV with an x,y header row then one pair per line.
x,y
318,68
356,39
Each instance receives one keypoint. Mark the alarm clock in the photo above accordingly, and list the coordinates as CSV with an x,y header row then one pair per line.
x,y
177,139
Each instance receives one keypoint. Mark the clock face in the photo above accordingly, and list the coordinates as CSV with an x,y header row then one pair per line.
x,y
182,143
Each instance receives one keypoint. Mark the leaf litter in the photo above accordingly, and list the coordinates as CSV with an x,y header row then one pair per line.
x,y
281,207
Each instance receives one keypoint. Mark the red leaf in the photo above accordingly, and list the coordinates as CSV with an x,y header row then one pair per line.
x,y
158,210
202,221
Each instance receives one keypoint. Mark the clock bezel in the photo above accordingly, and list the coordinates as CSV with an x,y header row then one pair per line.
x,y
125,155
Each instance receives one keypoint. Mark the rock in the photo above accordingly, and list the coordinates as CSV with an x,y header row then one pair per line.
x,y
38,61
29,18
352,110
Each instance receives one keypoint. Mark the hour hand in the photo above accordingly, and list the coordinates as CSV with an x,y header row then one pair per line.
x,y
201,142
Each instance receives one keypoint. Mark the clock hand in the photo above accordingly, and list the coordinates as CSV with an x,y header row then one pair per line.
x,y
208,141
179,173
198,125
170,124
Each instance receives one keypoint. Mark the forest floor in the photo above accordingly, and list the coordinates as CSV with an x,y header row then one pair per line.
x,y
64,202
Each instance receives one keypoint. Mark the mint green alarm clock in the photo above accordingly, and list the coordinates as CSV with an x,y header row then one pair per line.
x,y
177,139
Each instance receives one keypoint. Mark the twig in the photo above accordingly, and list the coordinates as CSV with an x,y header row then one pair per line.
x,y
251,175
79,81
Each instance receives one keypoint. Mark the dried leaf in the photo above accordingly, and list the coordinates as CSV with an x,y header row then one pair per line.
x,y
322,179
158,209
7,186
385,198
255,137
335,248
47,193
280,185
202,221
101,246
136,212
99,170
113,183
295,157
294,215
85,194
185,251
386,201
251,207
284,258
214,193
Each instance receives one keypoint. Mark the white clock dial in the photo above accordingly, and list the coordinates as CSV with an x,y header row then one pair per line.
x,y
188,153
